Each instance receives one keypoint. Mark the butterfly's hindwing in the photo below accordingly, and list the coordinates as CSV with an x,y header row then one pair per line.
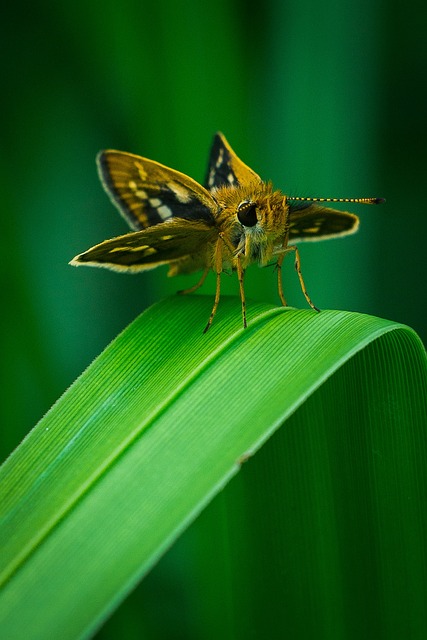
x,y
148,193
309,221
225,168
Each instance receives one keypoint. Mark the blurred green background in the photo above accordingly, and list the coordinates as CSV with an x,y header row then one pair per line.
x,y
324,98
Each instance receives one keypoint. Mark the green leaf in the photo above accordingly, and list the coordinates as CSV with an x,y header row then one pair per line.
x,y
158,424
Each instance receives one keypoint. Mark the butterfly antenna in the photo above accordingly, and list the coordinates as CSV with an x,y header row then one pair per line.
x,y
357,200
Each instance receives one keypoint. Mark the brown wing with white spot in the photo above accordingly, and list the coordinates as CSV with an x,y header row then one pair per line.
x,y
308,221
173,240
225,168
147,193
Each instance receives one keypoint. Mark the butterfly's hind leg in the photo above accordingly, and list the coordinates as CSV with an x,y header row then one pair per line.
x,y
298,270
198,284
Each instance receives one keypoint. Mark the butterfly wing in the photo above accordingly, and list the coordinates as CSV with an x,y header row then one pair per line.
x,y
314,222
175,239
225,168
147,193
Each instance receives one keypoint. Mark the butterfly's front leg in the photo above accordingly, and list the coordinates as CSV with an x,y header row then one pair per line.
x,y
240,274
218,263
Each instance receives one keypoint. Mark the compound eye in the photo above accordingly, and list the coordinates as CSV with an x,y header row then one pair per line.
x,y
246,213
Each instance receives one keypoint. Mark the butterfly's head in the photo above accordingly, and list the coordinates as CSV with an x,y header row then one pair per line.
x,y
258,222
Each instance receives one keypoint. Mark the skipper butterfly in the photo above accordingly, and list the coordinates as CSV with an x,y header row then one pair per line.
x,y
235,219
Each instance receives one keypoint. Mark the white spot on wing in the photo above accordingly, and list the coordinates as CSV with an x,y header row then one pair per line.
x,y
155,202
162,209
230,178
164,212
182,194
220,158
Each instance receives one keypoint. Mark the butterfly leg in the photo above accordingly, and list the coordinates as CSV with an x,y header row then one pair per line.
x,y
279,277
279,268
197,285
218,270
240,275
301,279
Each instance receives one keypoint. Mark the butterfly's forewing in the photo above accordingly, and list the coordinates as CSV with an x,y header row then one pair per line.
x,y
225,168
147,193
314,222
160,244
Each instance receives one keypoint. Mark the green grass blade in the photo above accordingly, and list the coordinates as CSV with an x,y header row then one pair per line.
x,y
143,440
323,533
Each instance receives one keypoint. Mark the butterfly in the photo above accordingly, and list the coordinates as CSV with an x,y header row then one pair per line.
x,y
234,220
